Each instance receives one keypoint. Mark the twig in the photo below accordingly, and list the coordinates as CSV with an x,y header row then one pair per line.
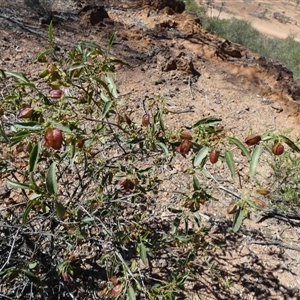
x,y
275,243
190,88
11,250
229,192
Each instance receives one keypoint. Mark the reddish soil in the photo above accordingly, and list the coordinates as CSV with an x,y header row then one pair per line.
x,y
199,75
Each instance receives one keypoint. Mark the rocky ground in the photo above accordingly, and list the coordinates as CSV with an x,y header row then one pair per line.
x,y
199,75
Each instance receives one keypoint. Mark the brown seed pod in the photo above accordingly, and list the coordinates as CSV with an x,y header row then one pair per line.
x,y
114,280
263,192
127,184
232,208
253,139
145,120
26,113
278,149
259,203
214,156
118,66
53,138
55,94
186,136
184,147
80,143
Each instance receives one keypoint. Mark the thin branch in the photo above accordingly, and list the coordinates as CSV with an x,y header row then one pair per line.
x,y
11,250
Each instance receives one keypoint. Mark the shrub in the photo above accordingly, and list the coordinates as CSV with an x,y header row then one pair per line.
x,y
90,175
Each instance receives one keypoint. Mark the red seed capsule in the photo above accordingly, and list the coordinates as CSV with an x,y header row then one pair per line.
x,y
55,94
145,120
53,138
278,149
214,156
259,203
25,113
253,139
184,147
186,136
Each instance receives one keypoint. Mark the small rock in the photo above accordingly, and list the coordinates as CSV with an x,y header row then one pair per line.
x,y
278,108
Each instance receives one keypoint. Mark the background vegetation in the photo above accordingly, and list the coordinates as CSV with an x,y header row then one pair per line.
x,y
286,51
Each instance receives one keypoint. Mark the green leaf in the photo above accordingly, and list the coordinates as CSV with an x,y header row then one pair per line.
x,y
27,211
107,108
18,185
210,121
200,156
88,220
163,147
254,159
33,184
19,76
241,146
60,209
43,54
143,254
51,181
3,134
111,41
196,183
238,219
34,156
174,210
32,265
35,196
131,293
290,143
112,86
76,67
28,125
230,162
33,278
92,45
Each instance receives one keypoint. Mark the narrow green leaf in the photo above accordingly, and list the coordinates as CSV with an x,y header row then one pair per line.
x,y
210,121
174,210
50,32
19,76
33,278
3,134
107,108
254,159
88,220
76,67
51,181
200,156
241,146
27,211
163,147
28,125
18,185
33,184
34,156
60,209
196,183
43,54
290,143
143,254
111,41
131,293
238,219
112,86
230,162
91,45
35,196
